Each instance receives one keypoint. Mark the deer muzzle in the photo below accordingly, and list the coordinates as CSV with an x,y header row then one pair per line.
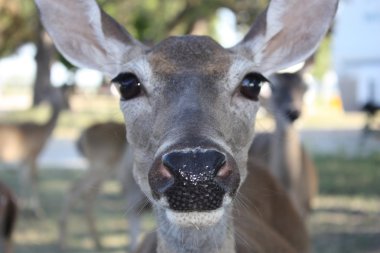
x,y
194,179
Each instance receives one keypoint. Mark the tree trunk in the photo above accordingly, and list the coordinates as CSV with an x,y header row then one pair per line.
x,y
44,58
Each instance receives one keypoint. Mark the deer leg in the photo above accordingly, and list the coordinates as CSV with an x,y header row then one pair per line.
x,y
71,198
29,188
80,189
133,195
34,197
23,183
89,212
134,218
7,245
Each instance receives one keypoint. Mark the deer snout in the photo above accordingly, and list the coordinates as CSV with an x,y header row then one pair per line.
x,y
194,179
293,114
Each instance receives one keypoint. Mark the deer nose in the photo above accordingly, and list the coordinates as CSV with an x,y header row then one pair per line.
x,y
194,166
194,180
293,114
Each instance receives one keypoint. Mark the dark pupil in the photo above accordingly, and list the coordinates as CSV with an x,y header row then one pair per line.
x,y
128,84
251,85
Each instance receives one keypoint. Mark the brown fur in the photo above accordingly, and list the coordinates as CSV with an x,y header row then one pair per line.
x,y
199,55
282,151
306,187
8,218
23,142
191,99
263,215
103,145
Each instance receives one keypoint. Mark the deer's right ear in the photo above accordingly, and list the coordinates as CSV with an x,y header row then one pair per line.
x,y
86,35
287,33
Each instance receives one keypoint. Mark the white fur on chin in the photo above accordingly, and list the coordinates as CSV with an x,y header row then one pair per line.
x,y
195,219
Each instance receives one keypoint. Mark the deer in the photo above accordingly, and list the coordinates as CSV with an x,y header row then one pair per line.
x,y
282,151
22,143
105,154
189,106
8,217
105,148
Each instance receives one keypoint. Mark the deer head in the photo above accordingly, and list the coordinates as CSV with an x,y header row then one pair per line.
x,y
189,104
288,90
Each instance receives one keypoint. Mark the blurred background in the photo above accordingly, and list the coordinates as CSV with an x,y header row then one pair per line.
x,y
339,125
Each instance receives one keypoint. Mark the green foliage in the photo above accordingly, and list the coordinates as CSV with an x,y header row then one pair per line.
x,y
148,20
323,61
18,21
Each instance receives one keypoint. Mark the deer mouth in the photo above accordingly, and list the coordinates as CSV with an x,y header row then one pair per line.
x,y
195,219
194,185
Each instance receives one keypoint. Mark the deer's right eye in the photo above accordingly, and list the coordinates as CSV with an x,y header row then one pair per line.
x,y
128,85
251,85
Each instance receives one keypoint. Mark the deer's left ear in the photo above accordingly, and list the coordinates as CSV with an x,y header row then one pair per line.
x,y
287,33
87,36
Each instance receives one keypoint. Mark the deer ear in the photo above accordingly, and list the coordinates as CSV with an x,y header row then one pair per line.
x,y
86,35
287,33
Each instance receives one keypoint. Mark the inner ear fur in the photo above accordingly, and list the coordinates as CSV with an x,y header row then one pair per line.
x,y
286,33
86,35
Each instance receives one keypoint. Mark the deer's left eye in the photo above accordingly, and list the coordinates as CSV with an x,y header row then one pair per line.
x,y
128,85
251,85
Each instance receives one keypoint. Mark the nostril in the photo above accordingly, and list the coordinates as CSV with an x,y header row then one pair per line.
x,y
164,172
220,161
224,171
197,164
162,180
169,161
293,114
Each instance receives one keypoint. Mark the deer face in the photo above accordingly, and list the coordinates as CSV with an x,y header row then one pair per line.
x,y
189,104
191,122
288,92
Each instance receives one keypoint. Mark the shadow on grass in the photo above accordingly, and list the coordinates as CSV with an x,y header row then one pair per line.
x,y
32,248
340,175
346,218
347,242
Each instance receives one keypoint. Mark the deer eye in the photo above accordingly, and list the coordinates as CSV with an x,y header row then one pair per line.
x,y
128,85
251,85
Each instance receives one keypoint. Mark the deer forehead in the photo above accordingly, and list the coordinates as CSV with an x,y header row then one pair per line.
x,y
189,55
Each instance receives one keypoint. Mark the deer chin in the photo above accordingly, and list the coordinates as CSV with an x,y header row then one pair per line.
x,y
197,219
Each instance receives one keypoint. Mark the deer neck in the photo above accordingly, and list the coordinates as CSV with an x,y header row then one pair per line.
x,y
52,121
215,239
286,152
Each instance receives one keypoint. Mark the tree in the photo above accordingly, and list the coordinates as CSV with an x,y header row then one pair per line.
x,y
17,21
147,20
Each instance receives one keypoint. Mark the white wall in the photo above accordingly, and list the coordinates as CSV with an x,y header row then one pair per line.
x,y
356,51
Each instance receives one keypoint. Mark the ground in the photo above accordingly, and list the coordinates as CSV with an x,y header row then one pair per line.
x,y
346,217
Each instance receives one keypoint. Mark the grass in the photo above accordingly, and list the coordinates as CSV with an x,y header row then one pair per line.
x,y
41,235
347,212
357,176
346,218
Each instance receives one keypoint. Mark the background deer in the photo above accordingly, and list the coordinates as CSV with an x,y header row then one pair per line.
x,y
189,106
105,148
8,217
22,143
282,151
